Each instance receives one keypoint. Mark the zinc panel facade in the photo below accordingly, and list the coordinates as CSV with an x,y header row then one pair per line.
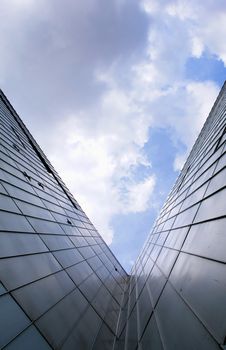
x,y
176,296
60,285
62,288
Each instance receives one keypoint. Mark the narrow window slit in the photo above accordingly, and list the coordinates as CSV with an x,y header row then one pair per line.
x,y
26,175
16,147
41,185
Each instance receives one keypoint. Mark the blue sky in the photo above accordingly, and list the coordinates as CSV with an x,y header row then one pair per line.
x,y
115,92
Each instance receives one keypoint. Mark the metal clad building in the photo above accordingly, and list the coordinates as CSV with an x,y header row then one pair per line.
x,y
62,288
60,285
177,289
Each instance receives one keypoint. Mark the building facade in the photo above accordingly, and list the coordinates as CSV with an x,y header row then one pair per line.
x,y
60,285
176,296
62,288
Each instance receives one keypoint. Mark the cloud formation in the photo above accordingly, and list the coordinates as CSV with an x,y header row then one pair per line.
x,y
99,75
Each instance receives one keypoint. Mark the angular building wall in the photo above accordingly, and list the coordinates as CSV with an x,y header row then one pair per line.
x,y
176,296
62,288
60,285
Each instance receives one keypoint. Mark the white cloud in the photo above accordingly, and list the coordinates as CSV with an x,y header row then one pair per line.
x,y
181,9
200,98
100,78
98,157
197,47
139,195
205,23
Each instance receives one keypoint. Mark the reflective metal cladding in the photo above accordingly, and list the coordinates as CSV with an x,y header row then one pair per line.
x,y
62,288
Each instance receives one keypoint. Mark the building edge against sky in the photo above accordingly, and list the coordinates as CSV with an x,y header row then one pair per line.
x,y
62,288
176,295
60,285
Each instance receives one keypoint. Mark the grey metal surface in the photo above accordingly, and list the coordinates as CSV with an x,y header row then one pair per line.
x,y
177,289
60,285
62,288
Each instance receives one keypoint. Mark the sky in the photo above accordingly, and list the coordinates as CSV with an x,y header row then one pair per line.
x,y
115,92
